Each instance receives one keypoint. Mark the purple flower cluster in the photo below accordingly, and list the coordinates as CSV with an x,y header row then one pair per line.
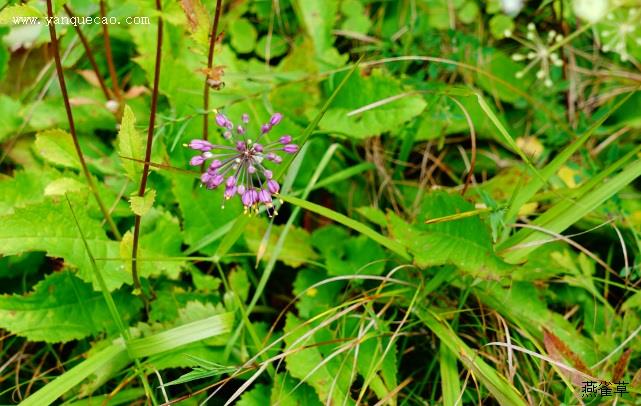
x,y
241,165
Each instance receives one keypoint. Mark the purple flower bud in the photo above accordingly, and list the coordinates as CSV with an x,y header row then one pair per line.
x,y
275,119
268,174
258,147
229,125
247,198
277,159
231,181
205,177
230,191
264,197
241,146
265,128
273,186
197,160
240,130
290,148
215,164
251,169
215,181
201,145
221,120
285,139
241,190
245,118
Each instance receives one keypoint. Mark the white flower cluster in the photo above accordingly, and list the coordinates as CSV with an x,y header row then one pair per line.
x,y
620,30
542,52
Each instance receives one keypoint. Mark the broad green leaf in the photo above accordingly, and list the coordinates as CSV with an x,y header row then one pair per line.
x,y
243,36
313,301
159,241
56,146
62,308
330,381
345,255
463,242
25,187
500,25
140,205
49,226
380,375
318,18
204,221
130,145
288,391
296,250
259,395
377,104
11,116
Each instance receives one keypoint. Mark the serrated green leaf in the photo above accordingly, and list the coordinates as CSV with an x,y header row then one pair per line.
x,y
463,242
159,241
369,106
56,146
130,145
49,226
197,21
140,205
346,255
62,308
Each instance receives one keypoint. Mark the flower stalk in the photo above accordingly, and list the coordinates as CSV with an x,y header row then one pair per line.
x,y
150,137
72,127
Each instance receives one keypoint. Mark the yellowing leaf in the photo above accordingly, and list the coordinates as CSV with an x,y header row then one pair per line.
x,y
64,185
130,145
140,205
568,176
56,146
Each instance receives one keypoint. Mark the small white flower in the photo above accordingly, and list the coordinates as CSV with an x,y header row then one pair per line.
x,y
112,105
591,11
511,7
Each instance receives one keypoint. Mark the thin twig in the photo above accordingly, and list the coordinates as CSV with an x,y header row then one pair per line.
x,y
89,54
150,139
72,127
108,54
210,64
